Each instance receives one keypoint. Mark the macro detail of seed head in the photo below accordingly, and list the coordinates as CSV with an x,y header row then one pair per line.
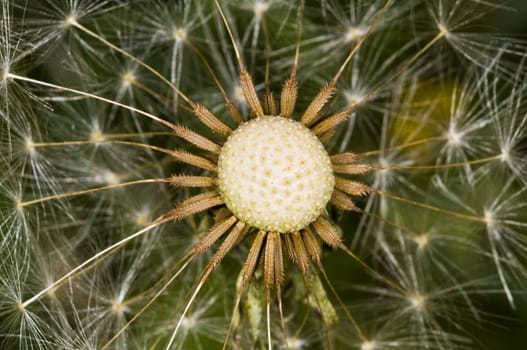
x,y
263,174
275,175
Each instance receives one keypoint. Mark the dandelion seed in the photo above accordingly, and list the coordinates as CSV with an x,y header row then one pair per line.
x,y
142,218
119,309
5,73
180,34
354,33
489,218
71,20
442,29
30,147
128,79
369,345
455,138
259,9
295,343
108,177
422,240
417,301
353,98
505,155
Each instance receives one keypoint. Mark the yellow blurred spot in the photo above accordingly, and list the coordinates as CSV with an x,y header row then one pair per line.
x,y
421,240
354,33
180,34
368,345
417,301
454,137
505,155
5,73
442,29
295,343
188,322
119,307
238,94
71,20
128,78
110,178
353,98
51,293
97,136
19,205
489,218
30,146
142,219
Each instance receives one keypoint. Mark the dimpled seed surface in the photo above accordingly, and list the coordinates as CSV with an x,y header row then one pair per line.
x,y
275,175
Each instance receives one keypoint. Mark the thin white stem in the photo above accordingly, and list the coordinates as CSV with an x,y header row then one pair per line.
x,y
182,317
400,71
104,138
91,190
132,57
90,95
149,303
229,31
362,40
440,166
100,255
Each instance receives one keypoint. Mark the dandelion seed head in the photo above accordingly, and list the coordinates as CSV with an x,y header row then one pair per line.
x,y
275,174
272,173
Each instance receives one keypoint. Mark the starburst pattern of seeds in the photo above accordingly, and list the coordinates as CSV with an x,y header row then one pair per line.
x,y
296,158
264,169
301,239
244,177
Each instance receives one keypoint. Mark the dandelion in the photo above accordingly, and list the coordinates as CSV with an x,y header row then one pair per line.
x,y
258,174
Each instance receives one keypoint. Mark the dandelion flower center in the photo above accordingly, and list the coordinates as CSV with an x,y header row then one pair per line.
x,y
275,175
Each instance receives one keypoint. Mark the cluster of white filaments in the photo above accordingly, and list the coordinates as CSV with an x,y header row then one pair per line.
x,y
275,175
